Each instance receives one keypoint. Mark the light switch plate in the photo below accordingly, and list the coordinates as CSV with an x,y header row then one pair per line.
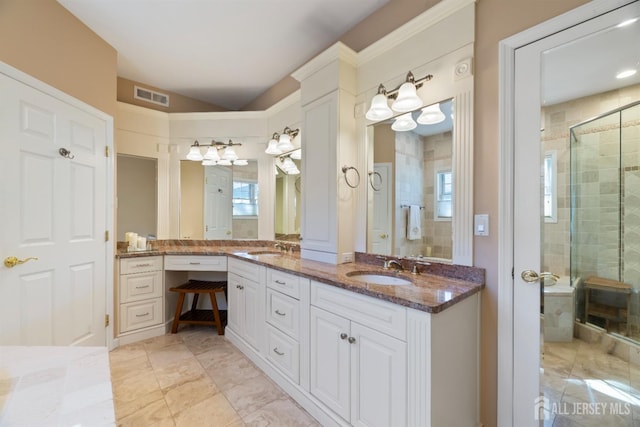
x,y
481,225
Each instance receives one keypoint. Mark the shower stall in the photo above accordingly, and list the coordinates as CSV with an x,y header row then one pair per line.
x,y
605,220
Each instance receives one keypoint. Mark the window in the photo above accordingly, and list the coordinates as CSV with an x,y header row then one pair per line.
x,y
444,195
245,198
550,169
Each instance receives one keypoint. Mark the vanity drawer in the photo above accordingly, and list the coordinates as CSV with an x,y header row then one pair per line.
x,y
135,287
140,314
284,282
382,316
195,262
140,264
283,312
283,352
253,272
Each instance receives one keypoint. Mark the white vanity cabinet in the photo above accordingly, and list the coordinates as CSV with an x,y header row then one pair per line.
x,y
358,371
246,299
140,292
288,324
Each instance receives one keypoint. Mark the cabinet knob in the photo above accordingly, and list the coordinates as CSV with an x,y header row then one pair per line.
x,y
352,340
343,336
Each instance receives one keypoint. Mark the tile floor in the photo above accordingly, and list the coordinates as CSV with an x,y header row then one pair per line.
x,y
576,373
196,378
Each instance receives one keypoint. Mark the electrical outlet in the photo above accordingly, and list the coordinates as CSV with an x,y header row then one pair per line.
x,y
347,257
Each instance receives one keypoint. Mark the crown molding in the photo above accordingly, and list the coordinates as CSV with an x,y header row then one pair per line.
x,y
137,109
421,22
336,51
227,115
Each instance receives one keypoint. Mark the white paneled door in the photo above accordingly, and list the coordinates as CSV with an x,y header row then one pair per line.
x,y
53,216
218,204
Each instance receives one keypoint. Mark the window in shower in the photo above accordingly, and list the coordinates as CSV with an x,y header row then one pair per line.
x,y
551,186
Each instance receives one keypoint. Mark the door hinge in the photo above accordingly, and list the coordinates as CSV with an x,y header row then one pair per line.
x,y
512,275
206,228
106,151
106,320
106,236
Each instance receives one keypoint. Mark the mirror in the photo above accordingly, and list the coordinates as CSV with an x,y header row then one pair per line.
x,y
218,202
287,204
137,205
410,187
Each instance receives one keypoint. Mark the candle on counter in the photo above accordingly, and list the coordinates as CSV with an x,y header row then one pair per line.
x,y
142,243
131,238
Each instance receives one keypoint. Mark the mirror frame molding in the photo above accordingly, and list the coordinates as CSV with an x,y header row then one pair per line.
x,y
420,48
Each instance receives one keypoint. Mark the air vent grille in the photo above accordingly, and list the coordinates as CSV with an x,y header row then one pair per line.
x,y
151,96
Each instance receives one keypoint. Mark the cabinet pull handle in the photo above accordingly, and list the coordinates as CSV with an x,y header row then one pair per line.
x,y
194,263
343,336
142,315
279,353
279,313
280,283
142,287
144,265
352,340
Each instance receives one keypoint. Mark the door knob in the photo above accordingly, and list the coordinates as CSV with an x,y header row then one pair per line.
x,y
531,276
383,236
12,261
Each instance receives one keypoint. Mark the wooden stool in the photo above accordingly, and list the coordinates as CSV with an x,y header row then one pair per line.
x,y
200,317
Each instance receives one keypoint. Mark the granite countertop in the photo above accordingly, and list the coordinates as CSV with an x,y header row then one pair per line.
x,y
437,287
55,386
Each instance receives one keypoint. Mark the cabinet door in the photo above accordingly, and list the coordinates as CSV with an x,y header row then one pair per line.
x,y
330,360
319,214
253,315
235,303
378,378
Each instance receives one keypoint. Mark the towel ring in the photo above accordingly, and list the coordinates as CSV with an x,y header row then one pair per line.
x,y
372,180
345,169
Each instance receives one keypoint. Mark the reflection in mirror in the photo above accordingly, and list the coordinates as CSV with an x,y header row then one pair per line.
x,y
137,204
218,202
411,185
288,188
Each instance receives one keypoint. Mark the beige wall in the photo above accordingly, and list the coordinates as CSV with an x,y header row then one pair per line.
x,y
495,20
191,200
137,204
177,103
40,38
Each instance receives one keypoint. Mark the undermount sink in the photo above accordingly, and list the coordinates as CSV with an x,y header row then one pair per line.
x,y
378,278
264,252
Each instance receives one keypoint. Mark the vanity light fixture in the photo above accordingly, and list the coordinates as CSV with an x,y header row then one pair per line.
x,y
289,167
431,115
296,154
282,142
405,98
404,123
211,157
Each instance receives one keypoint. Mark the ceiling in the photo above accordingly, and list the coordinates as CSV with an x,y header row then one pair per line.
x,y
224,52
607,52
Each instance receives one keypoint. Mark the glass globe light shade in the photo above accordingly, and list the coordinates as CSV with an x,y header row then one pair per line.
x,y
431,115
297,155
404,123
272,148
224,162
212,154
284,143
229,154
379,109
408,99
207,162
194,153
239,162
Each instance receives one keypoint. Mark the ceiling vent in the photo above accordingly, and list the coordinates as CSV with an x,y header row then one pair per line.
x,y
151,96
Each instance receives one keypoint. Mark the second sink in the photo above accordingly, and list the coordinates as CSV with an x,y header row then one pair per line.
x,y
378,278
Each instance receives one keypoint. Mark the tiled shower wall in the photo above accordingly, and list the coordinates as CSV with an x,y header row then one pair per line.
x,y
556,121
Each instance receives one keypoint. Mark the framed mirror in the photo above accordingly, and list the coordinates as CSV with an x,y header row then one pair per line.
x,y
287,204
137,207
218,202
410,185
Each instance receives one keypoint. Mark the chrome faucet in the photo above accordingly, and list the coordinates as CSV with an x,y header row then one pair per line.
x,y
281,246
415,269
393,263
